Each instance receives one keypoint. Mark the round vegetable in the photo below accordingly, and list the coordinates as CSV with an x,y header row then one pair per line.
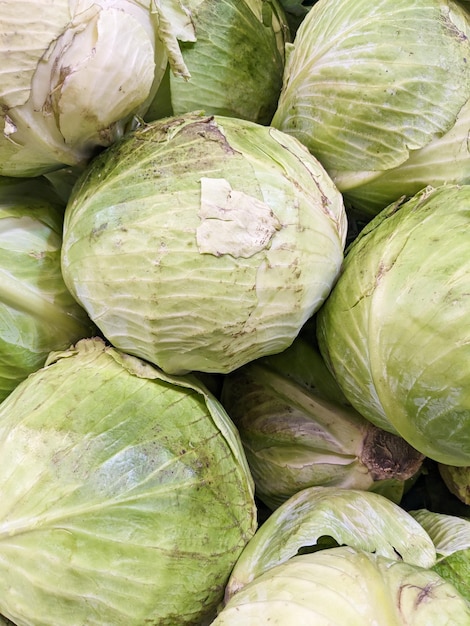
x,y
75,72
367,87
295,435
242,42
37,312
201,243
126,498
346,587
395,330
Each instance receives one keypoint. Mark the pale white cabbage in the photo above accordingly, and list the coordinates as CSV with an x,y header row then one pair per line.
x,y
346,587
75,72
319,517
342,557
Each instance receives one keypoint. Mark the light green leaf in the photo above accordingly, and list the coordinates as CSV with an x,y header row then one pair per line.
x,y
451,536
244,50
444,160
37,312
449,533
359,519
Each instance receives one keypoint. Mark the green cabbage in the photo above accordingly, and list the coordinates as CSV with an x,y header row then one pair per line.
x,y
346,587
395,329
242,42
317,518
126,497
37,312
298,430
201,243
333,556
369,86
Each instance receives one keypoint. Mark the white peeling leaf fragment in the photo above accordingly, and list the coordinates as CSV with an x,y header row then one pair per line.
x,y
9,127
233,222
174,24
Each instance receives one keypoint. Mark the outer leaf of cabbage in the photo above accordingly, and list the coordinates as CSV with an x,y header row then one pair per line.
x,y
346,587
125,495
37,312
455,568
449,533
365,84
444,160
360,519
451,536
395,330
202,243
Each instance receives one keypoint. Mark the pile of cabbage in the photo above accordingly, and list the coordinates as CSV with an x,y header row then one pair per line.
x,y
234,313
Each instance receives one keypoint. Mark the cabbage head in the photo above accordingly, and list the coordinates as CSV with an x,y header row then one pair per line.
x,y
37,312
377,92
317,518
395,330
126,498
75,72
343,586
333,556
234,61
298,430
201,243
